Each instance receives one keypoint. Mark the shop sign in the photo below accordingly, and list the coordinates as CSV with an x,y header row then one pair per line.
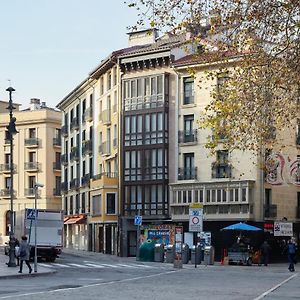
x,y
268,227
283,229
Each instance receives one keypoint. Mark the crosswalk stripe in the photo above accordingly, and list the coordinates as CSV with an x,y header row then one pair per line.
x,y
95,266
45,265
61,265
107,265
127,266
144,266
78,266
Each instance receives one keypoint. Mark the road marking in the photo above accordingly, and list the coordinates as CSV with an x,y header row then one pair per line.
x,y
127,266
275,287
78,266
94,266
144,266
87,286
61,265
45,265
108,265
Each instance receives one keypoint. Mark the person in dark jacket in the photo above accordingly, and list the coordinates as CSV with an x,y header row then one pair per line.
x,y
265,253
291,249
24,252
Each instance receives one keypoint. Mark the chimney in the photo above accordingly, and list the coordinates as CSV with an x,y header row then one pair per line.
x,y
35,104
142,37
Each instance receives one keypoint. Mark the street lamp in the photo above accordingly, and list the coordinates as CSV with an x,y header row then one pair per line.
x,y
11,131
36,186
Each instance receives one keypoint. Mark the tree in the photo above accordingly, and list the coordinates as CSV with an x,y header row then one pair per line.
x,y
261,95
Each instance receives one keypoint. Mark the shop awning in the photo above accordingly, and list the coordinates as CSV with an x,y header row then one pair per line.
x,y
75,220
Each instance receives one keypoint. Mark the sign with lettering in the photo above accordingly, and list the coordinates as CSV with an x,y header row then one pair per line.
x,y
283,229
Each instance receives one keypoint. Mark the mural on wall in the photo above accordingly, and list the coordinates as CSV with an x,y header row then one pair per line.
x,y
282,170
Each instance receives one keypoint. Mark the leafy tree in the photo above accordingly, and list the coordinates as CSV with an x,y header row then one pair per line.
x,y
258,47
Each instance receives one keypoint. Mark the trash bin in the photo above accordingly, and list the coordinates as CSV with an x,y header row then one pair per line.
x,y
159,253
146,251
196,255
209,255
170,253
185,253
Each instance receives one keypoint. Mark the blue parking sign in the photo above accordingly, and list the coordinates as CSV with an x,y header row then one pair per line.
x,y
138,220
30,214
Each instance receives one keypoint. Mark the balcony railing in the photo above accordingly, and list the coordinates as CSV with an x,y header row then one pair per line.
x,y
57,141
30,192
56,192
187,173
32,142
32,166
74,155
105,116
64,159
105,174
221,170
85,180
56,166
87,147
64,187
88,114
5,168
187,136
74,184
64,130
5,193
74,124
270,211
104,148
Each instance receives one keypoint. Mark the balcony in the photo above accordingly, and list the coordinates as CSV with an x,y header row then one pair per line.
x,y
115,143
64,159
32,166
105,174
74,124
87,147
30,192
187,136
85,180
57,166
104,149
57,142
74,184
187,173
32,142
64,130
88,114
104,179
270,211
57,192
5,168
105,116
64,187
74,155
5,193
221,170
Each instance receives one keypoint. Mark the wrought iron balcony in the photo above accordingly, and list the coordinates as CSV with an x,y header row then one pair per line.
x,y
87,147
5,193
30,192
64,187
32,142
105,174
64,130
74,184
105,116
57,141
74,155
32,166
56,192
64,159
5,168
88,114
221,170
57,166
270,211
187,173
74,124
187,136
85,180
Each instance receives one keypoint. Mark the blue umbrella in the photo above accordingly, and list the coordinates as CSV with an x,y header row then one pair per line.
x,y
241,227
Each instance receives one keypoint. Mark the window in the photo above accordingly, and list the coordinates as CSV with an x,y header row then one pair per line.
x,y
77,203
109,81
188,90
31,181
111,205
188,134
83,204
115,76
101,86
221,167
7,182
32,133
96,202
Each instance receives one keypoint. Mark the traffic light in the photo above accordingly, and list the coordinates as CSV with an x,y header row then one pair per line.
x,y
12,126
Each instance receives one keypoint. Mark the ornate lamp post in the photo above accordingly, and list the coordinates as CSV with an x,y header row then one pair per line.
x,y
11,130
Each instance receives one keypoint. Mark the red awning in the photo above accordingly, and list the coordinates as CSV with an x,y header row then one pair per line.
x,y
75,220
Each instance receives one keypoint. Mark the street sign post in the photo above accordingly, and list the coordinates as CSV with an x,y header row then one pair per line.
x,y
138,222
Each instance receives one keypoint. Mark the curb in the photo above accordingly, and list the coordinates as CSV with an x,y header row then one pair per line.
x,y
3,277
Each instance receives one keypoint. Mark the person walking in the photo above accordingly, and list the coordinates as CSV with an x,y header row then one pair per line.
x,y
291,249
265,253
24,253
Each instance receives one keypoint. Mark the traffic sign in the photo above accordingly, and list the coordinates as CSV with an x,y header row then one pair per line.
x,y
31,213
196,217
138,220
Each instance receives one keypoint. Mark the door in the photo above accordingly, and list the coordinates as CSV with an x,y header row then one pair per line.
x,y
131,243
189,166
108,240
100,239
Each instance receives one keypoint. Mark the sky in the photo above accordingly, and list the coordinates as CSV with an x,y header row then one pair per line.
x,y
47,47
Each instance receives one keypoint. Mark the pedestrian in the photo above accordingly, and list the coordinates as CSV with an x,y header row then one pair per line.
x,y
265,253
291,249
24,253
17,251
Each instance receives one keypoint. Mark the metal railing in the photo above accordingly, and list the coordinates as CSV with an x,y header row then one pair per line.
x,y
104,148
56,141
74,155
74,123
64,130
85,180
187,173
57,165
221,170
187,136
87,147
105,174
88,114
270,211
32,166
30,192
6,168
74,183
32,142
64,159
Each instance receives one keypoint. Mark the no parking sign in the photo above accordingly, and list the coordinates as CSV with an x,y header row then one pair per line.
x,y
196,217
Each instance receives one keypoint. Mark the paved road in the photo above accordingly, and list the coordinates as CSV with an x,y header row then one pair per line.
x,y
110,277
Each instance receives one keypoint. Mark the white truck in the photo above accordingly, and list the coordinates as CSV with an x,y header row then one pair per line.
x,y
49,234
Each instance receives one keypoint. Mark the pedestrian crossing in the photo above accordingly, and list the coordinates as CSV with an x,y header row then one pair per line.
x,y
94,265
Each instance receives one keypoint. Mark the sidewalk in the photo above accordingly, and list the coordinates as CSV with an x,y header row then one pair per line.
x,y
11,272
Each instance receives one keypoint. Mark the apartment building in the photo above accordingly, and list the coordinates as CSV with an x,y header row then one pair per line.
x,y
36,158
